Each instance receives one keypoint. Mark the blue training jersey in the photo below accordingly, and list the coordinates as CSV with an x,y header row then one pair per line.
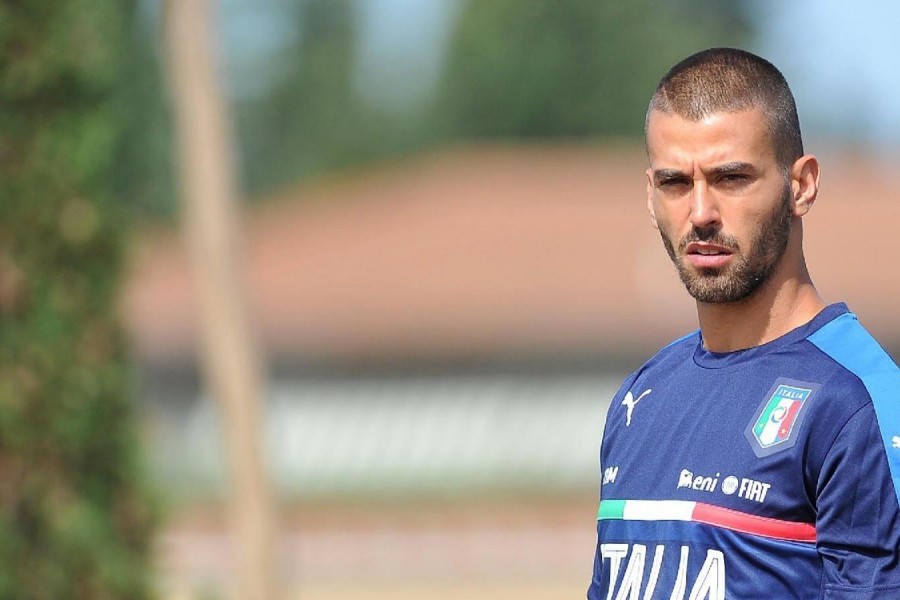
x,y
767,473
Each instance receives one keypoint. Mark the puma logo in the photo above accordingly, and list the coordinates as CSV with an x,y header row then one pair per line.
x,y
629,402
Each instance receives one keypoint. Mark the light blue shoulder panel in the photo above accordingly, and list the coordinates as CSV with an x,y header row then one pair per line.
x,y
848,343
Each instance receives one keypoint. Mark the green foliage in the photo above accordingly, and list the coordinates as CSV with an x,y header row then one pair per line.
x,y
570,68
515,69
144,177
74,520
314,120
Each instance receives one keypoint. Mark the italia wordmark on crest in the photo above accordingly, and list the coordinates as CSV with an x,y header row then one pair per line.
x,y
779,416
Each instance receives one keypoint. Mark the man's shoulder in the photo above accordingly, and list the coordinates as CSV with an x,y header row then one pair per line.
x,y
846,342
678,349
667,357
867,371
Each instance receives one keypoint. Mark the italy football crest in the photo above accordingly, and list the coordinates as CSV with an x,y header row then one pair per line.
x,y
779,416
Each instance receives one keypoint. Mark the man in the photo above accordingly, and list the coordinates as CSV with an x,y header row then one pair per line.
x,y
757,457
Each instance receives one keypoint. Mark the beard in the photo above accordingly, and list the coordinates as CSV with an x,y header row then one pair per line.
x,y
748,270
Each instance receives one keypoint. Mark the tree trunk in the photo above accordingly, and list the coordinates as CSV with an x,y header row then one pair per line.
x,y
232,368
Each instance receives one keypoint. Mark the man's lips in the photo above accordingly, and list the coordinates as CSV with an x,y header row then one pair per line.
x,y
702,255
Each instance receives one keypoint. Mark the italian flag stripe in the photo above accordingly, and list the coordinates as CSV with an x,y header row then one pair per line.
x,y
788,422
611,509
649,510
698,512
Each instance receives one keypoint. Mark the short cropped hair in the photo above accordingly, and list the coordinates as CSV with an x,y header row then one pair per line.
x,y
732,80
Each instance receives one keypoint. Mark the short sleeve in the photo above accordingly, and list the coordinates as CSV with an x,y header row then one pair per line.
x,y
858,516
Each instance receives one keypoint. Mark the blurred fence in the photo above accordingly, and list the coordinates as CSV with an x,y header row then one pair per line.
x,y
451,486
389,436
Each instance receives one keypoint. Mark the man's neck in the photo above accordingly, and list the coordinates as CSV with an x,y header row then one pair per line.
x,y
773,310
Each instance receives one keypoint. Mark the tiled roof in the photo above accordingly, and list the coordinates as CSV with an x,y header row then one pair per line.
x,y
493,252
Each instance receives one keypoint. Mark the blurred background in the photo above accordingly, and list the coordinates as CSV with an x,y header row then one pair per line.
x,y
446,266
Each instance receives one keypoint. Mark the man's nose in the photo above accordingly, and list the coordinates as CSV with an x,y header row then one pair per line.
x,y
704,207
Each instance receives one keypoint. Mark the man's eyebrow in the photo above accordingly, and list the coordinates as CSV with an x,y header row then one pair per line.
x,y
732,167
729,168
666,174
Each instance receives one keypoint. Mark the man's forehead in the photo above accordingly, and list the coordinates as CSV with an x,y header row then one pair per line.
x,y
674,141
747,121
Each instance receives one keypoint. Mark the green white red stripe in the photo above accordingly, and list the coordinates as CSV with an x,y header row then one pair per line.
x,y
698,512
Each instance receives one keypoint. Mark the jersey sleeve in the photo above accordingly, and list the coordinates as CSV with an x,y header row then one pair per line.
x,y
858,515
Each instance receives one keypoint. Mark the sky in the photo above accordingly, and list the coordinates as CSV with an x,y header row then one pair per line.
x,y
841,59
391,76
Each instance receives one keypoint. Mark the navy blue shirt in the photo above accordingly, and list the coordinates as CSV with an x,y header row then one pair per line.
x,y
767,473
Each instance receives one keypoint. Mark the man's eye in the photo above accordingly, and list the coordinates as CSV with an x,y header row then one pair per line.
x,y
672,183
734,178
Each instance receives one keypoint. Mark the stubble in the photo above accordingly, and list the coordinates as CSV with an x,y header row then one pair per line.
x,y
748,271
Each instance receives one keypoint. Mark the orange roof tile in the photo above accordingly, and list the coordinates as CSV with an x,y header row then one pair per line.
x,y
492,252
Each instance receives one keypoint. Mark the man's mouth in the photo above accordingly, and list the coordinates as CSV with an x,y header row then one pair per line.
x,y
703,255
709,251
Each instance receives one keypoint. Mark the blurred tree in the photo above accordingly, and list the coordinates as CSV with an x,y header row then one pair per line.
x,y
314,119
571,68
311,119
515,69
74,519
144,177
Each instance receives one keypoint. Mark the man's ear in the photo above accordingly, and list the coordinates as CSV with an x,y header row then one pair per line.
x,y
650,207
804,183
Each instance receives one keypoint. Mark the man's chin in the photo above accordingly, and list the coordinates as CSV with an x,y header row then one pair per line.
x,y
710,272
711,277
711,288
722,291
